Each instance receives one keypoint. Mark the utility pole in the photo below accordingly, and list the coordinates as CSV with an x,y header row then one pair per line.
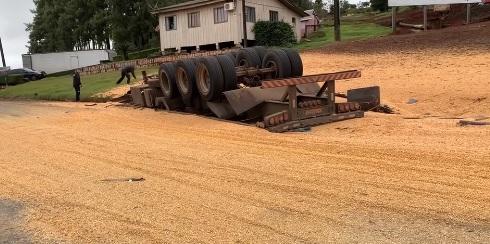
x,y
1,51
336,19
393,18
245,34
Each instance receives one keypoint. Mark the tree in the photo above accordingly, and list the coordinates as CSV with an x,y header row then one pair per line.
x,y
318,6
67,25
365,4
120,19
304,4
132,24
100,23
379,5
344,6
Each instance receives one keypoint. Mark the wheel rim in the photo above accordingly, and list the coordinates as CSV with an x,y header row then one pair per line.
x,y
243,63
183,80
204,81
272,64
165,82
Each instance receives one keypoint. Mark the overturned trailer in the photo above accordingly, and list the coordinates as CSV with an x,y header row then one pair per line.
x,y
255,85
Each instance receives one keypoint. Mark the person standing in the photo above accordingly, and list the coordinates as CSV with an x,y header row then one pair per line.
x,y
77,84
126,72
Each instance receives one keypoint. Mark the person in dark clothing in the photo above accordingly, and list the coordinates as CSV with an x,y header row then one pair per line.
x,y
77,83
126,72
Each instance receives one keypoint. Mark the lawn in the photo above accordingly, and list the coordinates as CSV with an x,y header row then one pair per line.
x,y
61,89
349,31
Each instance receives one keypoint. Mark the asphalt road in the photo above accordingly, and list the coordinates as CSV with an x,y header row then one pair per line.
x,y
10,223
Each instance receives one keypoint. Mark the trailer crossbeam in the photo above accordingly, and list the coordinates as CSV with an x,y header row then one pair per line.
x,y
311,79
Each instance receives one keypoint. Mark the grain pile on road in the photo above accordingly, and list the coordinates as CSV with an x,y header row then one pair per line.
x,y
381,179
446,71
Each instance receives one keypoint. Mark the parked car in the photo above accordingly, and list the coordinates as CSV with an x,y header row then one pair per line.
x,y
28,74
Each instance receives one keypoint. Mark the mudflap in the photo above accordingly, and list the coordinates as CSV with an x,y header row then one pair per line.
x,y
368,97
222,110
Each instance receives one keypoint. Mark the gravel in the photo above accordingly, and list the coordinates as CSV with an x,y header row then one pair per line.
x,y
381,179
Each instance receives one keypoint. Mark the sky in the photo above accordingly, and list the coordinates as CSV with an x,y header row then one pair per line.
x,y
13,16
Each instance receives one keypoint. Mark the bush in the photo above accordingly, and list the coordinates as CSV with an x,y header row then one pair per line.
x,y
318,34
379,5
272,34
12,80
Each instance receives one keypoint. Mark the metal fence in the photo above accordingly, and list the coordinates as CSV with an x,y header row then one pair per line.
x,y
145,63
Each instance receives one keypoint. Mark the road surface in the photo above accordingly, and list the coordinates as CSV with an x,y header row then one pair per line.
x,y
413,177
380,179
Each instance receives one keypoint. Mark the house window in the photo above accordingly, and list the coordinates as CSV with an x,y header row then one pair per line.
x,y
171,23
250,13
294,21
273,16
220,15
194,20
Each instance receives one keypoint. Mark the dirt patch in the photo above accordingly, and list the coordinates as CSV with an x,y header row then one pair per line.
x,y
444,71
116,92
456,40
456,16
10,219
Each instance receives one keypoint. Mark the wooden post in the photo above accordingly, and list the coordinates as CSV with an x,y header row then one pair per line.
x,y
331,95
245,34
468,13
293,103
337,20
425,17
393,18
145,76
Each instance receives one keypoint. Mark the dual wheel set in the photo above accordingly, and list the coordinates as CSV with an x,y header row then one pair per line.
x,y
205,79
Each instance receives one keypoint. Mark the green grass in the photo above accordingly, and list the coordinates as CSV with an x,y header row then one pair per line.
x,y
61,89
349,31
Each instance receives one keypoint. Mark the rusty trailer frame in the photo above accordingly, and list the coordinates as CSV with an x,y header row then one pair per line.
x,y
323,107
281,105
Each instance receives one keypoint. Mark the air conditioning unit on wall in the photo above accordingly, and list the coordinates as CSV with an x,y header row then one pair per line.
x,y
230,6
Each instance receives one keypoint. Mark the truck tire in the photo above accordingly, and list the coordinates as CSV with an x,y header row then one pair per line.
x,y
277,58
248,57
229,72
209,78
167,80
261,51
185,76
296,62
232,56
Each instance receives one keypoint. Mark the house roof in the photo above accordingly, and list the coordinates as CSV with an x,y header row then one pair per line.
x,y
200,3
310,12
185,5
